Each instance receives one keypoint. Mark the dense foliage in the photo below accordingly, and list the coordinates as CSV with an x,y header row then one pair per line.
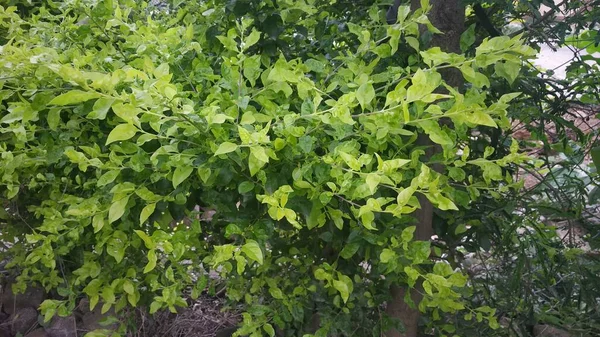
x,y
276,143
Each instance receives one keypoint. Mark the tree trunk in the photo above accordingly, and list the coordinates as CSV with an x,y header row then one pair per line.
x,y
448,16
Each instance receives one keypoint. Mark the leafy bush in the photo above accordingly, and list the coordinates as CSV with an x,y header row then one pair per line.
x,y
275,144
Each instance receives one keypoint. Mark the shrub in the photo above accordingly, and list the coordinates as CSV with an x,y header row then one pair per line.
x,y
275,144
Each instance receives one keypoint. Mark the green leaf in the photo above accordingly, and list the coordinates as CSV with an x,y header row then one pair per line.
x,y
367,218
413,42
53,118
228,43
107,178
402,14
276,293
442,202
481,118
133,299
100,108
241,264
117,209
74,97
161,71
390,166
315,65
100,333
349,250
252,38
245,187
146,194
387,255
98,222
344,285
253,251
252,72
508,70
128,287
408,233
404,196
423,84
435,57
350,160
365,95
412,274
147,211
126,112
427,287
478,79
204,173
281,73
151,261
48,309
337,217
420,251
467,38
394,34
146,238
181,174
154,307
269,329
260,153
254,163
116,245
226,147
372,181
321,274
436,134
305,143
121,132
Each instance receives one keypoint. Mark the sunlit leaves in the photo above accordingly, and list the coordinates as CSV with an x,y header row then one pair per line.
x,y
107,178
281,72
161,71
226,147
53,118
315,65
481,118
257,159
253,251
117,209
121,132
424,82
147,239
180,174
152,258
436,134
74,97
365,94
127,112
100,108
373,180
146,212
116,245
252,39
238,154
228,42
98,222
387,255
344,285
508,70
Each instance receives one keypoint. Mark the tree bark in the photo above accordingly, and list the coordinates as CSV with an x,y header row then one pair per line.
x,y
448,16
